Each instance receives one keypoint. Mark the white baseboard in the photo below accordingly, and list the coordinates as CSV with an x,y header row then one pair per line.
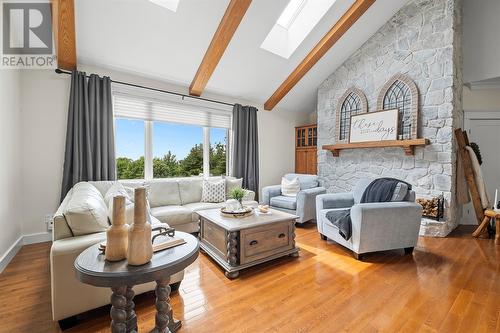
x,y
23,240
37,238
11,252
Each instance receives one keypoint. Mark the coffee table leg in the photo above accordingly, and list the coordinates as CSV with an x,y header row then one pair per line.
x,y
118,310
163,308
232,275
131,317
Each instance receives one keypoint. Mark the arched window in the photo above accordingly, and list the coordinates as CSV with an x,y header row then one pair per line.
x,y
351,103
401,93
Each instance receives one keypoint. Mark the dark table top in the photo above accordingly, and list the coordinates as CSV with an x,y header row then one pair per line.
x,y
92,268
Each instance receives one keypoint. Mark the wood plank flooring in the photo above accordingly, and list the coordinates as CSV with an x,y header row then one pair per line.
x,y
448,285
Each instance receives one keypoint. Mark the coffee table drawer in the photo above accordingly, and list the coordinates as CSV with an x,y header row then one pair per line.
x,y
261,242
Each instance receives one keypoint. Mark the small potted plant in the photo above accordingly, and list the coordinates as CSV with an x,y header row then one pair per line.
x,y
237,193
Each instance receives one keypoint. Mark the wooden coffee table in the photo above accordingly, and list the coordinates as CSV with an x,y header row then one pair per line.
x,y
238,243
92,268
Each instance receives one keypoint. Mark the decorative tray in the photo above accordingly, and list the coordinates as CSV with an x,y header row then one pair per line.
x,y
246,211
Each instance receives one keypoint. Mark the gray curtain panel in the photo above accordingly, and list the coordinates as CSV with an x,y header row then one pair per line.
x,y
90,146
245,148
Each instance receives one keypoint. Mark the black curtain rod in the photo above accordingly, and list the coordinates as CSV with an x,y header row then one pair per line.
x,y
60,71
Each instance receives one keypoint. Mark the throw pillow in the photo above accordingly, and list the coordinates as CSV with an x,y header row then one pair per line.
x,y
232,184
290,188
115,190
214,191
86,212
129,213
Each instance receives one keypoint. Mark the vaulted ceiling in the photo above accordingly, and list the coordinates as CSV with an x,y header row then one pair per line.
x,y
140,37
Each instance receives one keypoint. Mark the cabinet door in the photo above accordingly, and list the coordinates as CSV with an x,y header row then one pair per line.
x,y
312,162
301,161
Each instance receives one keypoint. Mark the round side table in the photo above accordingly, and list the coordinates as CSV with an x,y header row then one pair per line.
x,y
92,268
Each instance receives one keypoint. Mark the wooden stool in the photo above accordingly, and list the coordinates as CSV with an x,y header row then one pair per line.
x,y
488,214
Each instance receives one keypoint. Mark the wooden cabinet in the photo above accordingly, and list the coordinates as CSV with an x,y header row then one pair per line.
x,y
306,140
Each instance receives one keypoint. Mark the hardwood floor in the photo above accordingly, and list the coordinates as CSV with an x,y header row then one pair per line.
x,y
448,285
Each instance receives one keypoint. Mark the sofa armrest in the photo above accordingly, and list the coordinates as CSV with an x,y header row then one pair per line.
x,y
306,203
386,225
334,200
268,192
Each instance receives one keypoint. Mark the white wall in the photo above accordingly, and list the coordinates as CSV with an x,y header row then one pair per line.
x,y
45,96
481,100
10,114
481,40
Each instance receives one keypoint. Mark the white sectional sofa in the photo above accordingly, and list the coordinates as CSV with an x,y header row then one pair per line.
x,y
172,201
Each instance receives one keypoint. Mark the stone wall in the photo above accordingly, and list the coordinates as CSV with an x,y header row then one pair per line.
x,y
422,41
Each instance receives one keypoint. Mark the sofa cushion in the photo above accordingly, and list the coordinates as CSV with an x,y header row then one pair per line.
x,y
282,201
172,215
322,214
164,192
306,181
115,190
360,188
104,185
214,191
86,211
197,206
190,190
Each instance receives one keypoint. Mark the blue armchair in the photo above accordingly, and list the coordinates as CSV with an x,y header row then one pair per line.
x,y
303,205
375,226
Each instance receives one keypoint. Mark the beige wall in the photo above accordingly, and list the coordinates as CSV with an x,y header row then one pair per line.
x,y
481,100
45,96
10,114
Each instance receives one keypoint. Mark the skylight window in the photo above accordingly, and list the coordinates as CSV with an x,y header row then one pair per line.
x,y
168,4
290,13
294,24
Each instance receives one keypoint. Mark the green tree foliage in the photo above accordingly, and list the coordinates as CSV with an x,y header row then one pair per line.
x,y
130,169
165,167
169,166
218,159
192,164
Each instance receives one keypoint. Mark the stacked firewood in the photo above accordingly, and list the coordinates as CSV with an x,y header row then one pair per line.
x,y
430,206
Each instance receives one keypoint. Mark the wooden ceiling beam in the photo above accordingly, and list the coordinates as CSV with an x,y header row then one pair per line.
x,y
336,32
63,24
227,27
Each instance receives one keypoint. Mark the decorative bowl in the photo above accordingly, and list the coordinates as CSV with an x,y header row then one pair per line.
x,y
245,211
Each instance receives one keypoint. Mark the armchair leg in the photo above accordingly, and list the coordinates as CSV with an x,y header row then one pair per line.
x,y
409,250
323,237
358,256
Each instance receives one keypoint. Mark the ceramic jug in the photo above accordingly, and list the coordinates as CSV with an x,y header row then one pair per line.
x,y
117,233
140,248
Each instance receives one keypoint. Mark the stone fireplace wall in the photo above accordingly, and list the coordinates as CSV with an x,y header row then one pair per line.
x,y
423,41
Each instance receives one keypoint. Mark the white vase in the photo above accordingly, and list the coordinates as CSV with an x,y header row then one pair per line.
x,y
232,205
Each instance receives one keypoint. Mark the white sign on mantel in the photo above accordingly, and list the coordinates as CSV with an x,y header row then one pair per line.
x,y
374,126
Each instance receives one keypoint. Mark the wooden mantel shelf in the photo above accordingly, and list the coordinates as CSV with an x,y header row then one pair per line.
x,y
407,145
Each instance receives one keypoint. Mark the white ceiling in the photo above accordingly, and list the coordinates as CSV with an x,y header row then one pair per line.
x,y
140,37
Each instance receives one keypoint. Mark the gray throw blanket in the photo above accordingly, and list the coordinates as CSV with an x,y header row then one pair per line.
x,y
379,190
